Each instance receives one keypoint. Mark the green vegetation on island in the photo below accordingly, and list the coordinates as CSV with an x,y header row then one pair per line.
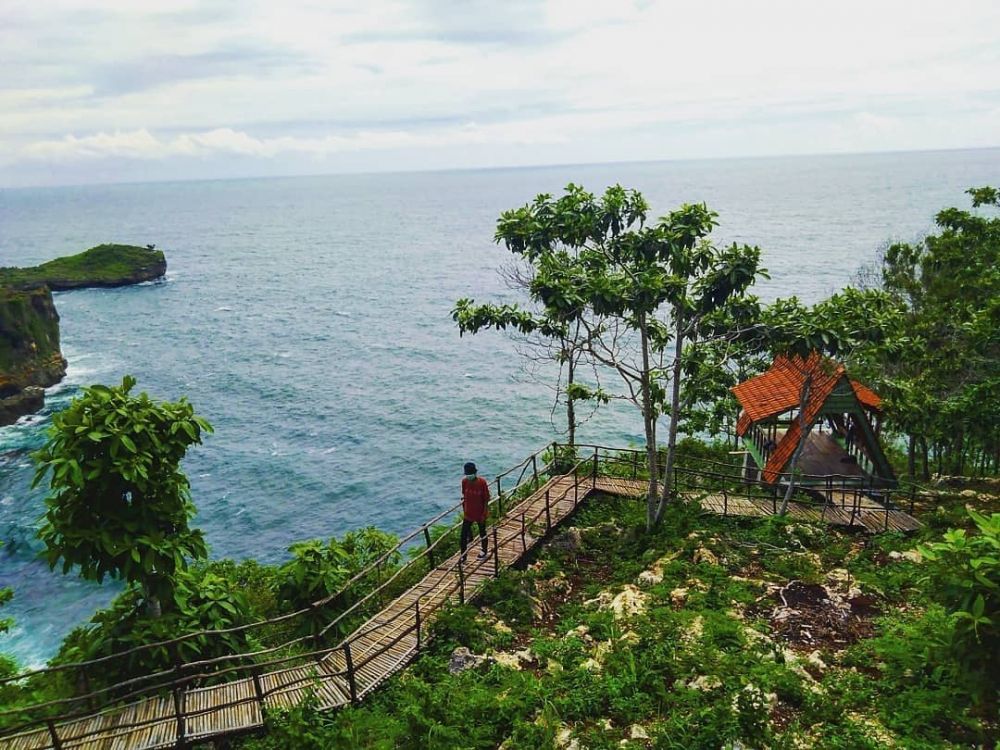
x,y
101,266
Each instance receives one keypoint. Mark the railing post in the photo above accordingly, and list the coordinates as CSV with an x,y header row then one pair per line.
x,y
53,734
548,512
179,709
461,580
524,537
352,682
430,551
595,467
499,499
416,605
85,683
635,464
496,555
378,583
258,689
725,502
534,468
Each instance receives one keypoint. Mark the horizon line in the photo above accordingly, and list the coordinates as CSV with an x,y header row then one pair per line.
x,y
498,167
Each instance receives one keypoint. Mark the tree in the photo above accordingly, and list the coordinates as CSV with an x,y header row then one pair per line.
x,y
639,292
554,330
942,394
119,504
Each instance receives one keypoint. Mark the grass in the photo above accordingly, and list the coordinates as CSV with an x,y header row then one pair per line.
x,y
745,633
104,265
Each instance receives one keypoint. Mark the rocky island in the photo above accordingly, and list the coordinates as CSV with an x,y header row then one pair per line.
x,y
30,359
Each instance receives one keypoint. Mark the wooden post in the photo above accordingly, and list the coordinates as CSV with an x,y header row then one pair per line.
x,y
524,537
352,682
635,464
430,551
258,689
496,555
725,502
461,579
53,735
179,709
86,688
416,605
548,513
499,499
378,583
534,468
595,467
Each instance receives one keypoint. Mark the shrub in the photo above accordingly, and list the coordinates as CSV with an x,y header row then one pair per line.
x,y
965,578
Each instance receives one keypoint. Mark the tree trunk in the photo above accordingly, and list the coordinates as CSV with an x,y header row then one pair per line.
x,y
570,406
675,408
649,424
923,453
911,457
804,431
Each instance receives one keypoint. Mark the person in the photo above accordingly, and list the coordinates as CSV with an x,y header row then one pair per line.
x,y
475,498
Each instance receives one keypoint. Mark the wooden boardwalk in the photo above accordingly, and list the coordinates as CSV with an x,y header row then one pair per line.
x,y
385,643
844,508
377,650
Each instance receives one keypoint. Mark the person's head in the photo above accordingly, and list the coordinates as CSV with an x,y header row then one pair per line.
x,y
470,469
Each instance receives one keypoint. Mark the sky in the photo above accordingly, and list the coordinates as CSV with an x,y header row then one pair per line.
x,y
125,90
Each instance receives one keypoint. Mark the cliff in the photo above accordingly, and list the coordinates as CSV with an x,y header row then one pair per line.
x,y
101,266
29,350
30,359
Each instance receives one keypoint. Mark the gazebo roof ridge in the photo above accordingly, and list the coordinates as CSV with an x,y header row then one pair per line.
x,y
779,388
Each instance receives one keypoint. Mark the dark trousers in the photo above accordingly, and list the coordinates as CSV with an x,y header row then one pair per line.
x,y
467,534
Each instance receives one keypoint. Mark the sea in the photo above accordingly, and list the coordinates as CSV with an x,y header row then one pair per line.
x,y
308,319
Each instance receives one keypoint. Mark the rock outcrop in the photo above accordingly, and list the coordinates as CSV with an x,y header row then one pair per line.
x,y
29,350
101,266
30,359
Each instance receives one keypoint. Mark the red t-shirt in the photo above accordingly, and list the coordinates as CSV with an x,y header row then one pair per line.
x,y
475,496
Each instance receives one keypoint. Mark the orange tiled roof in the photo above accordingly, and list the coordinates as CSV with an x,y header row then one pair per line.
x,y
779,389
866,396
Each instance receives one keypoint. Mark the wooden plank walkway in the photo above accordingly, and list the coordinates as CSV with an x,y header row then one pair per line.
x,y
390,639
378,649
871,514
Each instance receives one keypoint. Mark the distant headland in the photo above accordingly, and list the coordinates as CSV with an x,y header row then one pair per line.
x,y
30,358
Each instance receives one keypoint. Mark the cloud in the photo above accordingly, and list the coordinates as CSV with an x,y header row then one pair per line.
x,y
142,144
89,80
245,61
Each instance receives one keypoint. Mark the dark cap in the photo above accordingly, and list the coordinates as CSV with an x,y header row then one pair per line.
x,y
470,468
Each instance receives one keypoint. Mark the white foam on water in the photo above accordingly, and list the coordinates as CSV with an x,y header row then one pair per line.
x,y
330,450
223,308
342,313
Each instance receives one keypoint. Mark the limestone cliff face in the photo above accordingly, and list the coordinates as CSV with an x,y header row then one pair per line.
x,y
29,324
29,350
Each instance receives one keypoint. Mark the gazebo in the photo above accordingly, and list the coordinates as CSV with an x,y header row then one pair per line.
x,y
843,444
